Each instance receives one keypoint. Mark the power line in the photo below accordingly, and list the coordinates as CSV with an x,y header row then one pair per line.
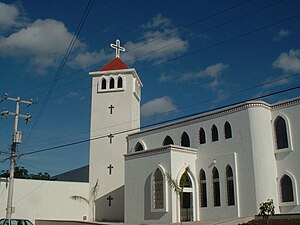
x,y
187,106
195,52
167,34
160,123
62,65
224,41
216,44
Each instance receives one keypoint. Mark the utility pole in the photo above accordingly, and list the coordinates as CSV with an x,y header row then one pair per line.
x,y
17,138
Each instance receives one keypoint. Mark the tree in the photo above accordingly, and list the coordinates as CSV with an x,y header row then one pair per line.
x,y
91,200
266,209
21,172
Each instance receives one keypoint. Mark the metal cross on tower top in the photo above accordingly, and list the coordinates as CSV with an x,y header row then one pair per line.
x,y
118,48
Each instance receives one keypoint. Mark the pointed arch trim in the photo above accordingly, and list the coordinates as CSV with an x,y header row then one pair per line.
x,y
294,186
288,134
164,186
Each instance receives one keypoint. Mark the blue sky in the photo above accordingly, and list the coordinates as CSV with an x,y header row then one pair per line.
x,y
192,56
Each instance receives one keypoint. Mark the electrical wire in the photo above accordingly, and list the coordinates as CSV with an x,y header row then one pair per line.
x,y
158,124
183,107
62,65
196,51
167,34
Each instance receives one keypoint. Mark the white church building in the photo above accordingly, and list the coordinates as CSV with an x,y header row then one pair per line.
x,y
238,156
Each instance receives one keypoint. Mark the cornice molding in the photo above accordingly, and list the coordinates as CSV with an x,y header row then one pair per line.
x,y
218,113
160,150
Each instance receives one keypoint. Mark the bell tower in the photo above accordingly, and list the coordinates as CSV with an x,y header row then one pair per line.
x,y
115,113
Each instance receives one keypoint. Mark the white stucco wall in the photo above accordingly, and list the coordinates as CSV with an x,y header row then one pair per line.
x,y
138,172
124,119
37,199
288,159
256,164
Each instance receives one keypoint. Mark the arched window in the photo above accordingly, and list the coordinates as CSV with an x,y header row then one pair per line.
x,y
112,83
281,133
168,141
229,186
202,138
138,147
103,84
216,187
120,82
158,190
227,130
286,185
185,181
203,191
214,133
185,140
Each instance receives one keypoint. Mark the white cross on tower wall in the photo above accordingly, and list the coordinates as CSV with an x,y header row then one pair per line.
x,y
118,48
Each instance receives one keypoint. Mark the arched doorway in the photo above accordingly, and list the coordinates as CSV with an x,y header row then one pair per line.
x,y
186,198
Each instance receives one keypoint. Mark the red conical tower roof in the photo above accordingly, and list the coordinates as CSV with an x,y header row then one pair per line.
x,y
115,64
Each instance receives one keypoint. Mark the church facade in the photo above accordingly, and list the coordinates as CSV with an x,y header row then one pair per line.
x,y
228,161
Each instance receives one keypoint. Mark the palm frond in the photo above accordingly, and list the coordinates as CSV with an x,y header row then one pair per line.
x,y
95,189
80,198
173,183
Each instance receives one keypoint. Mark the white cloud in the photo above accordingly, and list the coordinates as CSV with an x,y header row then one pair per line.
x,y
289,61
158,21
164,78
43,41
157,106
86,59
8,15
160,41
271,82
283,33
212,71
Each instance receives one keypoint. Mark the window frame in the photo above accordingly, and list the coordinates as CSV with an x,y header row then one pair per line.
x,y
214,133
181,139
202,136
295,190
165,190
288,132
169,138
202,182
112,83
216,181
231,180
227,128
141,144
118,82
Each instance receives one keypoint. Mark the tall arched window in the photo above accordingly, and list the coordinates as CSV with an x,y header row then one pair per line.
x,y
112,83
202,138
103,83
203,191
229,186
120,82
216,187
168,141
281,133
214,133
227,130
138,147
158,190
185,140
286,185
